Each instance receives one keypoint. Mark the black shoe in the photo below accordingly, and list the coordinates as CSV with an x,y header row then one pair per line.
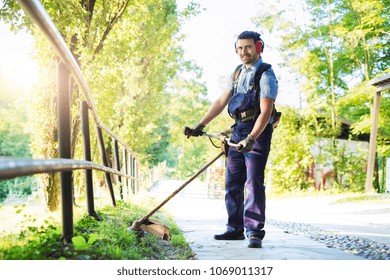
x,y
230,235
254,242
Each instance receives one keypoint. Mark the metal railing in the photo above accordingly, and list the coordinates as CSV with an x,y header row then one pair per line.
x,y
69,69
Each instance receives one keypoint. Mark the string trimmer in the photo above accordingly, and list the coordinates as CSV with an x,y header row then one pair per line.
x,y
158,229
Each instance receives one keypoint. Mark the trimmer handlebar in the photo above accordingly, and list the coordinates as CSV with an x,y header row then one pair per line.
x,y
188,132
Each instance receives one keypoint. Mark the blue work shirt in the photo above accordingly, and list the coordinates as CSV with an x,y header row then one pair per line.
x,y
268,82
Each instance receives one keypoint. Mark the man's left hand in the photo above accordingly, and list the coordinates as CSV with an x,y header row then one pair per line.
x,y
246,145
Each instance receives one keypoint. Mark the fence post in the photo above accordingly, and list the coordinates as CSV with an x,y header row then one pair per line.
x,y
129,157
136,184
64,143
132,174
118,167
107,175
87,156
124,168
137,175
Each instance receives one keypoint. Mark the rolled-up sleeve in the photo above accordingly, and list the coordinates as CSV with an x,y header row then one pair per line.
x,y
269,85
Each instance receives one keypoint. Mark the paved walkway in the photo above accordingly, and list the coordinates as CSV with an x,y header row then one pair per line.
x,y
200,217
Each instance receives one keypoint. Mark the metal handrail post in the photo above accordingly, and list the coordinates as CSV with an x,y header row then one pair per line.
x,y
124,168
132,174
103,154
64,142
129,156
87,156
136,175
118,166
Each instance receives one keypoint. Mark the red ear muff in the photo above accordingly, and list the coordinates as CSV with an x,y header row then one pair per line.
x,y
259,46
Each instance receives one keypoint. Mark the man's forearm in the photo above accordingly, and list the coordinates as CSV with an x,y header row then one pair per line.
x,y
266,107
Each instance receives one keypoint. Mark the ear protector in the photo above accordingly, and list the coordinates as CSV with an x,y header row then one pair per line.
x,y
259,46
256,38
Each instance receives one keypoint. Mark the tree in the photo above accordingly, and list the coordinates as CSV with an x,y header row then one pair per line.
x,y
127,51
334,47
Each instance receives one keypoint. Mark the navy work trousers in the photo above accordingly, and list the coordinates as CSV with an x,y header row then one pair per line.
x,y
245,171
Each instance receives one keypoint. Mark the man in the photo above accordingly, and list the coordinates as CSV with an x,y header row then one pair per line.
x,y
253,112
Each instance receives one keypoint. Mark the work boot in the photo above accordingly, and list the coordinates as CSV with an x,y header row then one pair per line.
x,y
230,235
254,242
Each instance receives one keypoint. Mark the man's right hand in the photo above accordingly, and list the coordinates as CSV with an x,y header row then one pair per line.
x,y
196,131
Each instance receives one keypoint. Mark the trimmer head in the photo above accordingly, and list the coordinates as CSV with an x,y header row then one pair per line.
x,y
153,227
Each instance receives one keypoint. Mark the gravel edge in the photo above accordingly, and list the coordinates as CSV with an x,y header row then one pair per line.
x,y
359,246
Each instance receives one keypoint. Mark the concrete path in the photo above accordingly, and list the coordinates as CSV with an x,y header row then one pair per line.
x,y
200,215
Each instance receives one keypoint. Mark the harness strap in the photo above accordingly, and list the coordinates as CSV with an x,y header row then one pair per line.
x,y
256,80
252,113
236,74
247,115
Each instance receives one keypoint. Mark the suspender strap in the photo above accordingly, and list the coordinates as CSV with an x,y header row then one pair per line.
x,y
256,80
252,113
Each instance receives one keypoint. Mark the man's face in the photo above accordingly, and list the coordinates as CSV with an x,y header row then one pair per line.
x,y
246,49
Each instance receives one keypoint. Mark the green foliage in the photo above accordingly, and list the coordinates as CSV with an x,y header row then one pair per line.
x,y
10,12
189,103
109,239
134,70
4,190
365,198
290,158
81,244
20,187
14,139
14,144
334,48
159,150
349,169
297,149
43,243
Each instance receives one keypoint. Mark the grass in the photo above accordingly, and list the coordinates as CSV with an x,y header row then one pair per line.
x,y
365,198
340,197
298,194
109,239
